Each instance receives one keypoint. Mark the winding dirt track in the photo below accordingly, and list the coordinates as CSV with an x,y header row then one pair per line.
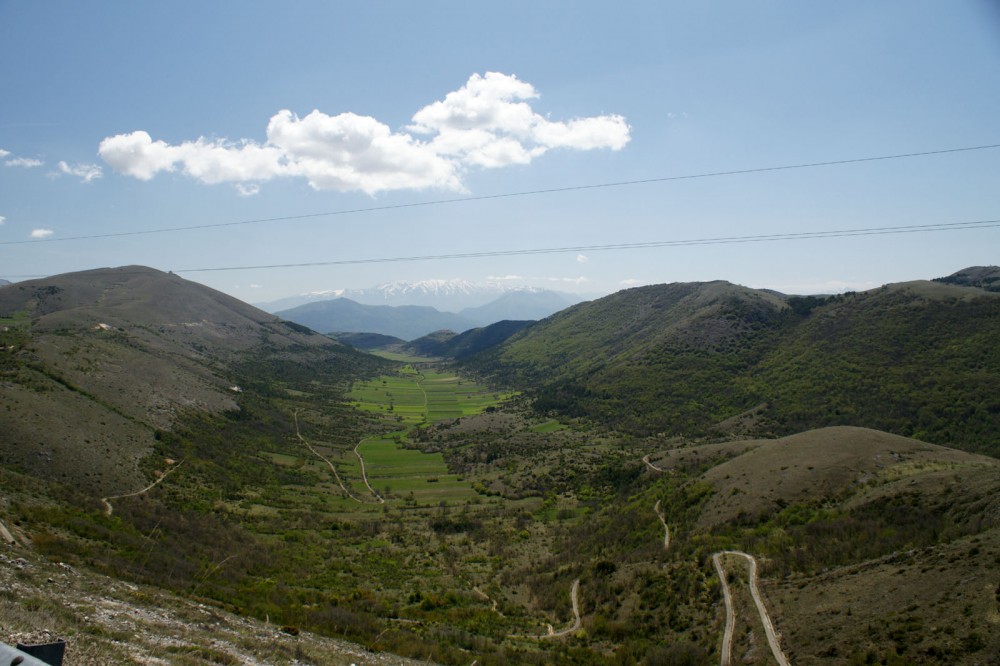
x,y
651,466
666,528
321,457
727,638
106,501
727,635
489,600
773,640
574,595
364,474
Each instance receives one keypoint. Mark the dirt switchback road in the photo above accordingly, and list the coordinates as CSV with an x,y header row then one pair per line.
x,y
727,637
574,595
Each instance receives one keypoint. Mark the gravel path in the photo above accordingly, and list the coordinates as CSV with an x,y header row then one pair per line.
x,y
727,638
574,595
321,457
106,501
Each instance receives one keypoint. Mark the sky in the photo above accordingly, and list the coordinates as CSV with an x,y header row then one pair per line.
x,y
268,149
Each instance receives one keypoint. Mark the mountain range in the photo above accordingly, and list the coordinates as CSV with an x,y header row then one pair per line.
x,y
583,492
343,315
917,358
452,295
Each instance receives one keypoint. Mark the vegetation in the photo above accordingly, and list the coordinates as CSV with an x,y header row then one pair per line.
x,y
917,360
414,510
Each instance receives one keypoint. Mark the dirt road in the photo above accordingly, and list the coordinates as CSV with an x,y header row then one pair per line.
x,y
316,453
574,595
727,637
666,528
364,473
651,466
106,501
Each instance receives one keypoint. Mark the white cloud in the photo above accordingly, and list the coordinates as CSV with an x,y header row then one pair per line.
x,y
488,123
505,278
351,152
4,153
85,172
2,219
41,233
248,189
582,258
26,162
137,155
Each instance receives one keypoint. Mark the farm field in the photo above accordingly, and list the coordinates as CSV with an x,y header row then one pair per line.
x,y
417,395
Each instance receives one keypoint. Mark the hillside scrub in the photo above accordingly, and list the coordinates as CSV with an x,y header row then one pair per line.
x,y
913,359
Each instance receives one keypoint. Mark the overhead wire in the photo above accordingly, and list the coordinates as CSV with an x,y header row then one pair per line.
x,y
720,240
835,233
505,195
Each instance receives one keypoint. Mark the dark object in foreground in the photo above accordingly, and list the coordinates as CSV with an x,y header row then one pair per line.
x,y
45,653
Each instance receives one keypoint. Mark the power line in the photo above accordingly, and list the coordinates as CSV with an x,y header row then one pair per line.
x,y
507,195
720,240
724,240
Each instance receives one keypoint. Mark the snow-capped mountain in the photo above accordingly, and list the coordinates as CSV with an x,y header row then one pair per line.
x,y
445,295
452,295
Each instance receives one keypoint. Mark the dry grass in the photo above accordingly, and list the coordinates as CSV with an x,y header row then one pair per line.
x,y
106,621
815,466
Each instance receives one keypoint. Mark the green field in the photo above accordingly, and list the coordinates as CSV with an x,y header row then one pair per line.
x,y
407,474
401,476
415,396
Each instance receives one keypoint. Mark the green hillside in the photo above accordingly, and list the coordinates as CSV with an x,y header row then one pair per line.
x,y
157,433
914,359
94,364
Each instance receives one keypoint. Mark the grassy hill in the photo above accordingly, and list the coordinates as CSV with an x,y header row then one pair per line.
x,y
914,359
447,344
418,512
95,363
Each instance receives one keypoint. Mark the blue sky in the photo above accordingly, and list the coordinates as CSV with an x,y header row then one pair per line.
x,y
118,118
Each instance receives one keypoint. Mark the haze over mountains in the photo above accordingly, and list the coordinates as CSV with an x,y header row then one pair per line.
x,y
343,315
452,295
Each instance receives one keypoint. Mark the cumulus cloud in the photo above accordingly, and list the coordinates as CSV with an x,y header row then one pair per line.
x,y
582,258
2,219
488,123
26,162
4,153
85,172
41,233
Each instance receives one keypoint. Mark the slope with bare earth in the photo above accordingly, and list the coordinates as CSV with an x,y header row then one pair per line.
x,y
869,543
109,621
94,363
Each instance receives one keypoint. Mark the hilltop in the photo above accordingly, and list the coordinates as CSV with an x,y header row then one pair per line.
x,y
161,433
344,315
97,362
689,359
